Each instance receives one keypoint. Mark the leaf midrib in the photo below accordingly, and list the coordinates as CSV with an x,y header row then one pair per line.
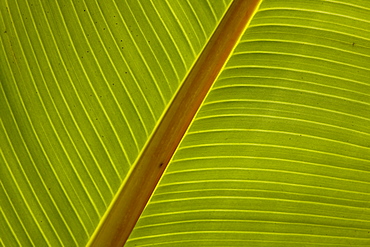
x,y
132,197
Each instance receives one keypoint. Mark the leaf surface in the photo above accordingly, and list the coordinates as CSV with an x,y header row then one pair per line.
x,y
83,85
277,155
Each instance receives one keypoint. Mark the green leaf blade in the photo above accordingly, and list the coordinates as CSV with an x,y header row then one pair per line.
x,y
278,155
83,86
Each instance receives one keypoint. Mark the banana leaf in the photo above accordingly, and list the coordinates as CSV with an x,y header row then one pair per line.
x,y
278,153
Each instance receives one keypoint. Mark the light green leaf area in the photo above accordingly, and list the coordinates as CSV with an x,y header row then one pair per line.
x,y
83,85
279,153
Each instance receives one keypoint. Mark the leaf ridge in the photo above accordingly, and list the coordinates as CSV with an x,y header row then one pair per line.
x,y
152,161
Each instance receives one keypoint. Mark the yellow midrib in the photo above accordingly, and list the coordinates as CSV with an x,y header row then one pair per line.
x,y
133,195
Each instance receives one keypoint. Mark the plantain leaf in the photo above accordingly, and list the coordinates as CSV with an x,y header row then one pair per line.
x,y
277,155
